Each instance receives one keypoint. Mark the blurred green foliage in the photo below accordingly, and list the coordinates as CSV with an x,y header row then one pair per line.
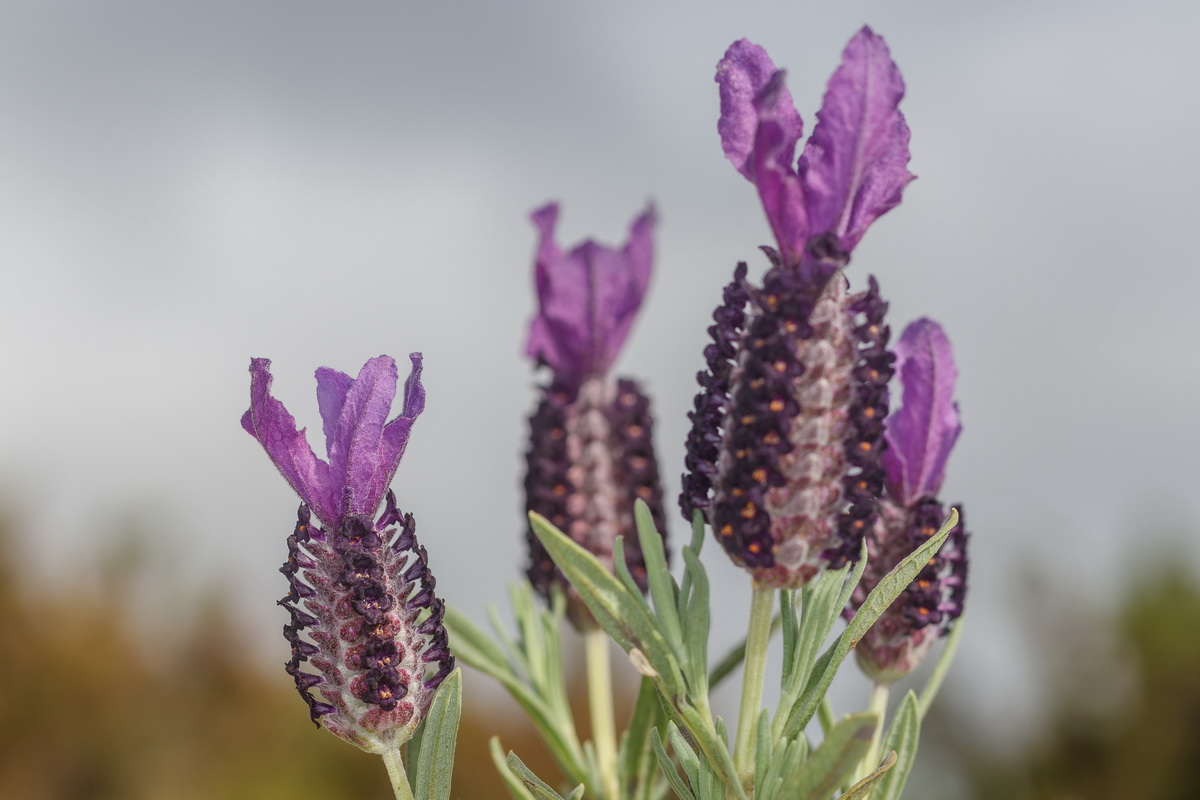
x,y
1123,706
94,707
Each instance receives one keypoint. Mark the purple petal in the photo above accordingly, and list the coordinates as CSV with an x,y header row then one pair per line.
x,y
395,433
275,429
354,450
587,298
741,76
922,431
779,187
854,166
332,386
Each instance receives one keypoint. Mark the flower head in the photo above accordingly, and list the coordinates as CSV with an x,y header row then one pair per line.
x,y
363,611
920,435
590,453
853,168
783,457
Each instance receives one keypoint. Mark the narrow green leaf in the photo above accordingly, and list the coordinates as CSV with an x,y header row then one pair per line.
x,y
576,793
435,764
762,749
412,755
882,596
667,766
471,644
536,786
620,614
621,565
696,545
902,738
862,790
662,585
697,625
832,764
516,788
791,632
940,669
634,765
686,755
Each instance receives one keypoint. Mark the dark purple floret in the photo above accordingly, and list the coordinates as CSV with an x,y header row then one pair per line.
x,y
704,441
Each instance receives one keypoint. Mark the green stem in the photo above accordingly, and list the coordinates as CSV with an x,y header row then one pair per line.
x,y
762,603
879,702
395,767
600,704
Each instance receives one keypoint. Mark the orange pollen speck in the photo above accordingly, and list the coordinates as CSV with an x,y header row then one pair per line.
x,y
923,584
790,326
776,405
737,491
874,374
754,547
644,492
727,530
924,612
865,446
739,454
759,475
869,412
772,301
559,490
927,532
771,438
634,430
758,383
749,510
780,366
748,419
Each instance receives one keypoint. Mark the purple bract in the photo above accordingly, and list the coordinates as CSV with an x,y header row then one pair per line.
x,y
361,598
853,168
590,452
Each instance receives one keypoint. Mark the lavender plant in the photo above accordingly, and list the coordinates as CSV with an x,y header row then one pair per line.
x,y
808,479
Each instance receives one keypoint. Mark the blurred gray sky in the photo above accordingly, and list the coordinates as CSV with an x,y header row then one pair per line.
x,y
184,186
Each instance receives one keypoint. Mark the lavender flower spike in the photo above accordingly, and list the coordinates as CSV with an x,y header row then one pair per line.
x,y
590,451
920,434
363,611
783,456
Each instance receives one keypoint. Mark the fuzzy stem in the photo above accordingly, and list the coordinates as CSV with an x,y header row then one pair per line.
x,y
879,702
395,767
600,706
762,603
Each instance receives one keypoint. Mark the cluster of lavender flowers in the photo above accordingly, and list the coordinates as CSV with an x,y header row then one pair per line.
x,y
795,457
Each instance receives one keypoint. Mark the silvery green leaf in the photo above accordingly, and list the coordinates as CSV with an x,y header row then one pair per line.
x,y
833,763
621,566
544,699
576,793
635,763
940,669
882,596
762,749
682,791
687,757
902,738
862,790
435,763
535,785
662,586
622,616
697,619
514,785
